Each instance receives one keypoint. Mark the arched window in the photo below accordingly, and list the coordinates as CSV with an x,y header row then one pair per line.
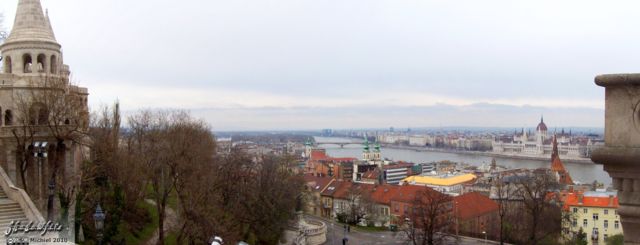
x,y
26,63
38,114
42,59
7,65
43,116
54,64
8,118
32,115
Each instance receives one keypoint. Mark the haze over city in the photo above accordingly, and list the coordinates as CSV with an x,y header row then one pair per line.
x,y
337,64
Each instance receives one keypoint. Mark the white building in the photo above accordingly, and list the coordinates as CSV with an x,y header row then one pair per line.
x,y
539,143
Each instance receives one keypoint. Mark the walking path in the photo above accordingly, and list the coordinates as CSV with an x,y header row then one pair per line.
x,y
170,223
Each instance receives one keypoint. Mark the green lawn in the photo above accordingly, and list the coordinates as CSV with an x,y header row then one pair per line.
x,y
147,231
170,238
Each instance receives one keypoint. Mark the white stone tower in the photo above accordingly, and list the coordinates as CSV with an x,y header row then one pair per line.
x,y
32,65
31,48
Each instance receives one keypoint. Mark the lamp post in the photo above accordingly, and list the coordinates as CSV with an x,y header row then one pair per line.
x,y
40,153
52,192
99,216
485,236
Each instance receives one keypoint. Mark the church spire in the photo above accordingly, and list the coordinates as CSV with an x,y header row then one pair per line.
x,y
555,153
31,24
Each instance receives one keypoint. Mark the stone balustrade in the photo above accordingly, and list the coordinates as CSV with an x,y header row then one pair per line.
x,y
621,154
20,196
316,232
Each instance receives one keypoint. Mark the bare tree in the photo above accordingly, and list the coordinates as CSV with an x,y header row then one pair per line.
x,y
543,217
428,222
24,132
3,33
52,109
360,203
503,192
236,196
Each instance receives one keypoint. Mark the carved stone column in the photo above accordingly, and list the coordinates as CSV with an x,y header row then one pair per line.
x,y
621,154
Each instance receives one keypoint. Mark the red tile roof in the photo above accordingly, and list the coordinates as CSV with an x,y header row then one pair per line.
x,y
342,190
317,155
558,167
382,194
407,193
573,199
317,183
321,155
472,205
371,174
331,189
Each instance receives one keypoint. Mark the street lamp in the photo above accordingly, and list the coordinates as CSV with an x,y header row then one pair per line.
x,y
485,236
40,153
99,216
52,192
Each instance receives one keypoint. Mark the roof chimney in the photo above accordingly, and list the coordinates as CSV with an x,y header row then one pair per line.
x,y
580,198
611,200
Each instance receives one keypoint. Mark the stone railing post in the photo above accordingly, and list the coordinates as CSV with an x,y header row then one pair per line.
x,y
621,154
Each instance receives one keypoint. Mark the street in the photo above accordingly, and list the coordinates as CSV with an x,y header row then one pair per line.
x,y
336,232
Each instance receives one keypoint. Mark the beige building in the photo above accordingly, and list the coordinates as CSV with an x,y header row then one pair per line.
x,y
596,213
43,118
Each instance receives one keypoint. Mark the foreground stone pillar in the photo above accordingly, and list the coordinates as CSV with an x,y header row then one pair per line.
x,y
621,154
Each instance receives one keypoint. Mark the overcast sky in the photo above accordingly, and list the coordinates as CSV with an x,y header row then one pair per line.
x,y
305,64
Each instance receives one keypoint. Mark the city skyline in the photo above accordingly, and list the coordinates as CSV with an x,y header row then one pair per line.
x,y
258,65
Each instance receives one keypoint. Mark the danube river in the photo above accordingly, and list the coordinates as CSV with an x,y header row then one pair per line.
x,y
582,172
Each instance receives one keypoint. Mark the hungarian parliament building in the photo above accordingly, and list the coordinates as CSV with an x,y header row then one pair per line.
x,y
540,143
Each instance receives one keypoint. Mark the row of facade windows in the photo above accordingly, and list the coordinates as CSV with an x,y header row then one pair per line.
x,y
29,66
39,117
586,210
585,223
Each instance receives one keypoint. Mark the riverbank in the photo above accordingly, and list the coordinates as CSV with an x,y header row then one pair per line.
x,y
488,154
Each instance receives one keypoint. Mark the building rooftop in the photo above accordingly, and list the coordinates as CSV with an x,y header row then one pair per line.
x,y
592,199
383,193
31,24
317,183
440,180
473,204
407,193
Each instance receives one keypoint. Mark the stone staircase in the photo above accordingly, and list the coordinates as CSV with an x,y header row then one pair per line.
x,y
9,211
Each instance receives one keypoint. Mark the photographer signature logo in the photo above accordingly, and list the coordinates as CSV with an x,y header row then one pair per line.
x,y
32,227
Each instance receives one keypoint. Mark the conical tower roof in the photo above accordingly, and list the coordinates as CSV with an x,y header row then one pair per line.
x,y
31,24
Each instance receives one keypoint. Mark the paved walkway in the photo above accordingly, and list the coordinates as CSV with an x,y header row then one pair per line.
x,y
170,223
